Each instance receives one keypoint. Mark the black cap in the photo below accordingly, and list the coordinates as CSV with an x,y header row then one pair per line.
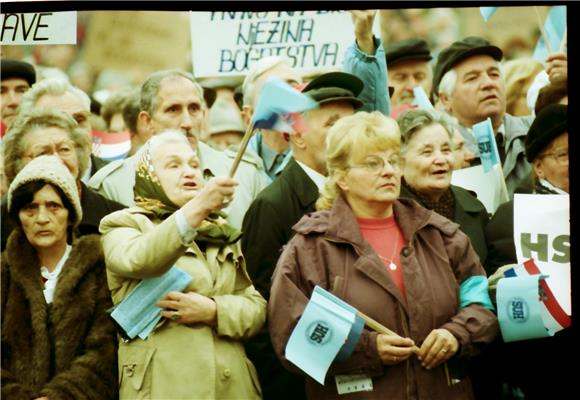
x,y
17,69
550,123
459,51
408,49
335,86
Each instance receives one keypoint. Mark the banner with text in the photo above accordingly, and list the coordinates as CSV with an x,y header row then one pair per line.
x,y
542,232
310,39
39,28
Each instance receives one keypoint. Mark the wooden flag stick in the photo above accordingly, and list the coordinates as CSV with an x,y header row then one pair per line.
x,y
374,325
242,149
541,26
564,38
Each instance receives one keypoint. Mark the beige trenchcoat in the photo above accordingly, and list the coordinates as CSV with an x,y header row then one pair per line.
x,y
178,361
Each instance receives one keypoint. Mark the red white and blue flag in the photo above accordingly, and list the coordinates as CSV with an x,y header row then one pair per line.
x,y
111,146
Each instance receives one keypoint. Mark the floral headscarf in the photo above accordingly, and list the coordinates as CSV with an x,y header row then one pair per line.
x,y
150,196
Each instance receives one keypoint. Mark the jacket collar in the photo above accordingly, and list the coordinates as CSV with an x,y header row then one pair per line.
x,y
300,183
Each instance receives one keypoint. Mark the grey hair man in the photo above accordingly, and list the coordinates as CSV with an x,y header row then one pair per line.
x,y
270,146
172,99
58,94
469,85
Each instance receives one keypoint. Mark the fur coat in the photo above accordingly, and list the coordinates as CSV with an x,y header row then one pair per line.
x,y
66,350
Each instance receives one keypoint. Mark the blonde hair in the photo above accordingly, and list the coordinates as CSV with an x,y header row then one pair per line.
x,y
353,137
519,75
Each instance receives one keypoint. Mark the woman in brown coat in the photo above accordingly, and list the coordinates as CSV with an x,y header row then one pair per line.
x,y
403,265
58,342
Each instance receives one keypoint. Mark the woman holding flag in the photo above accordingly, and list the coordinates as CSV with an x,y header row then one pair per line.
x,y
196,350
404,266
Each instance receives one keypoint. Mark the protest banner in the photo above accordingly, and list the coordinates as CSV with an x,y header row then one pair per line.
x,y
542,232
38,28
311,40
139,41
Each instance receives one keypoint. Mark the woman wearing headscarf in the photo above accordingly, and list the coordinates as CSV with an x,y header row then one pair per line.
x,y
427,149
57,339
196,351
546,147
406,267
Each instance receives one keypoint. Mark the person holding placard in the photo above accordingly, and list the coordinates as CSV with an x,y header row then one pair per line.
x,y
428,155
196,351
404,266
516,363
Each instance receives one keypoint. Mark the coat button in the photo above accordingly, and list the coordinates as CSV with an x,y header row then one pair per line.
x,y
406,251
130,369
227,373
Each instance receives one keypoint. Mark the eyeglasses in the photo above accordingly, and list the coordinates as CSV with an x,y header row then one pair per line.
x,y
375,164
561,156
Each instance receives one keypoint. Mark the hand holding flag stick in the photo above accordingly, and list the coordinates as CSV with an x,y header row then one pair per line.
x,y
377,327
277,98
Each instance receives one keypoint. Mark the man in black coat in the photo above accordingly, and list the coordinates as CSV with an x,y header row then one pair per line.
x,y
268,222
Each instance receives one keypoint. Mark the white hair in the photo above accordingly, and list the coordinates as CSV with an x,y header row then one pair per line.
x,y
167,136
449,80
258,69
52,87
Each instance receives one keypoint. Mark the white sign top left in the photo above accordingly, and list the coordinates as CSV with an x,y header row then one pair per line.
x,y
38,28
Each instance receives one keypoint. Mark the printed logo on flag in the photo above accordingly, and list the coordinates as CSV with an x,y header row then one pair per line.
x,y
518,310
319,333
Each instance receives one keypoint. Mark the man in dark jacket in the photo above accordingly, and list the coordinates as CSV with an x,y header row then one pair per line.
x,y
268,222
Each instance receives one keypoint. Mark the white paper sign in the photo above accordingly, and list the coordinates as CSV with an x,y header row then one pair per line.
x,y
39,28
542,232
488,186
228,43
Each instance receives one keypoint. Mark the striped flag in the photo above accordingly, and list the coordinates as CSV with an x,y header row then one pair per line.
x,y
111,146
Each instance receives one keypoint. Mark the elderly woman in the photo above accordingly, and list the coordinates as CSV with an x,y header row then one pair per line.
x,y
515,363
196,352
57,339
405,266
42,132
427,150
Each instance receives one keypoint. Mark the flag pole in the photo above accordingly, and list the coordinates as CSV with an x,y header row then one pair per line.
x,y
376,326
242,149
541,26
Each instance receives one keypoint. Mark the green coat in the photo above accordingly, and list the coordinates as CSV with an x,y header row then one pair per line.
x,y
178,361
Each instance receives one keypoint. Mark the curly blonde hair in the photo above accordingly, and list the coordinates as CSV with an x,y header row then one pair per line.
x,y
352,137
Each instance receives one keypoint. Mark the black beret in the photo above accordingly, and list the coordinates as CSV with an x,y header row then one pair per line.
x,y
550,123
335,86
459,51
17,69
408,49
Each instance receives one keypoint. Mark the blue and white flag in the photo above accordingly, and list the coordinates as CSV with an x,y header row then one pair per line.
x,y
277,100
487,12
483,132
421,100
554,28
328,329
138,313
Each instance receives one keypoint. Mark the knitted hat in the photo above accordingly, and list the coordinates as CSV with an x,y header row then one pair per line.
x,y
52,170
17,69
550,123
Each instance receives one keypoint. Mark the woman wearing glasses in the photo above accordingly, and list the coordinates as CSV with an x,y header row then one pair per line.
x,y
427,146
405,266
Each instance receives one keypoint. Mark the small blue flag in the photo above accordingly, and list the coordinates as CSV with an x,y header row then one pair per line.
x,y
421,100
554,28
487,12
279,98
328,328
138,314
483,132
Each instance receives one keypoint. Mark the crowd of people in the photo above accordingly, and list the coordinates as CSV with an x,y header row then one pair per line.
x,y
359,201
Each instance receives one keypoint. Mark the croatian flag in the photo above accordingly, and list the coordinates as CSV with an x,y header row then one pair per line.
x,y
554,316
328,329
111,146
279,107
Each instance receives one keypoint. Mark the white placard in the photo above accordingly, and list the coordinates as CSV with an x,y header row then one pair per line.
x,y
542,232
228,43
487,186
39,28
